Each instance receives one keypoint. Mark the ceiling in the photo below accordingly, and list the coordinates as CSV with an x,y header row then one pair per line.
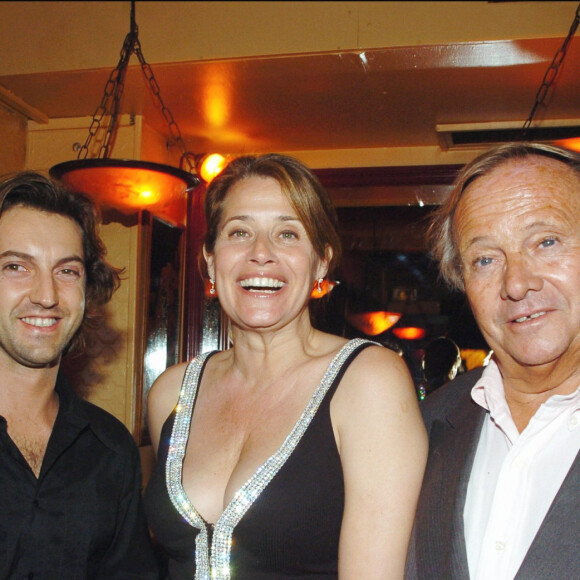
x,y
379,104
393,97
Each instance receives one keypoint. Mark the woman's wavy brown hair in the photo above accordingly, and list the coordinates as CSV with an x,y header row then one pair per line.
x,y
299,184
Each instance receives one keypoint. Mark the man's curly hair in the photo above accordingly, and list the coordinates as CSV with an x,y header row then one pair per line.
x,y
33,190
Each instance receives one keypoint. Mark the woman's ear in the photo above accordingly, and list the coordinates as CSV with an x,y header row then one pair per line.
x,y
324,263
209,262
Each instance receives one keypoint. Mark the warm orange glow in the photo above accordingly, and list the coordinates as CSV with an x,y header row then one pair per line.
x,y
146,196
325,288
130,186
409,332
211,166
573,143
207,289
473,357
373,323
217,94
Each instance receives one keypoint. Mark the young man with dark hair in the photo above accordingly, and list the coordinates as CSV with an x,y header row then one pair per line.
x,y
70,475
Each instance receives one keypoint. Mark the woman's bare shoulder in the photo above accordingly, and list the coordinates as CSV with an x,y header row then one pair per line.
x,y
165,390
379,358
381,372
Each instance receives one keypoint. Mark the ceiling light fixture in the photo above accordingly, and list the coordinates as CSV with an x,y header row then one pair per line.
x,y
130,185
572,143
210,166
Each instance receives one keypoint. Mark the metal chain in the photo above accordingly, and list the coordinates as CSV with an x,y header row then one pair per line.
x,y
114,90
551,74
167,115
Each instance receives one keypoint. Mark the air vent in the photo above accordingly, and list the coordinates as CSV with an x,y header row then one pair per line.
x,y
483,134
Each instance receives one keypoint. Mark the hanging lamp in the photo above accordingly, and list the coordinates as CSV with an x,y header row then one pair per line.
x,y
129,185
373,323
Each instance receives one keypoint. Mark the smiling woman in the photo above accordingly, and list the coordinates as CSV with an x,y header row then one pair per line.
x,y
260,472
263,263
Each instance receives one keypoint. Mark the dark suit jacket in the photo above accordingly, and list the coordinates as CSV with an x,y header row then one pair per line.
x,y
437,550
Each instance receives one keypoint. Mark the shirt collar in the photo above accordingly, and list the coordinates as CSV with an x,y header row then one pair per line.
x,y
488,392
77,414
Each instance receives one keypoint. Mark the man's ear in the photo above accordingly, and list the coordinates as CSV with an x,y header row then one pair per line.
x,y
209,261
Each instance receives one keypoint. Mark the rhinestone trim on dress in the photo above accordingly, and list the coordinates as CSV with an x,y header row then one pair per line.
x,y
214,564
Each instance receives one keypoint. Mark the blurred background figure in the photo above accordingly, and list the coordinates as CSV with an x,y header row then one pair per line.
x,y
440,364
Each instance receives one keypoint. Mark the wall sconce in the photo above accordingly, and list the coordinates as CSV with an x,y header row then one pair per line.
x,y
130,185
211,166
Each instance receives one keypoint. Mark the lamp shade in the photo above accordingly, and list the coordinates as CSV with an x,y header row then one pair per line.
x,y
130,185
409,332
373,323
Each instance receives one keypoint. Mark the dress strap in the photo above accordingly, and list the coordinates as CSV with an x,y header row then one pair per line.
x,y
213,556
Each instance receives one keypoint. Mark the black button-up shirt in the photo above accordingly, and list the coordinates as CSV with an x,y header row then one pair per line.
x,y
82,518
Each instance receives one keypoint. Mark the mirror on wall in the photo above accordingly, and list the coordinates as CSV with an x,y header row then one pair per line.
x,y
386,269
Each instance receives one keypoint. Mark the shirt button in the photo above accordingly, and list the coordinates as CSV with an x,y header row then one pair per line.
x,y
30,575
573,421
500,546
35,503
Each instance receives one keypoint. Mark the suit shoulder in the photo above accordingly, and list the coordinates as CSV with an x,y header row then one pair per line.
x,y
450,396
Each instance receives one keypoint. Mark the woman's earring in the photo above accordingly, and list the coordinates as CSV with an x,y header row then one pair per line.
x,y
212,289
319,285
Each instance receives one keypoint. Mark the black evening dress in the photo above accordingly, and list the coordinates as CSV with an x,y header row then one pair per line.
x,y
284,523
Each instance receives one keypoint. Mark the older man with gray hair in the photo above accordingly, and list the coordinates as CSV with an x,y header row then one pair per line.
x,y
500,497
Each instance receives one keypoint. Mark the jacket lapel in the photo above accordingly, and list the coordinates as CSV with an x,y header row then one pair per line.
x,y
554,552
438,549
439,534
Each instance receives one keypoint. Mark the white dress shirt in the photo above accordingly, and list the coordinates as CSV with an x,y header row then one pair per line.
x,y
515,476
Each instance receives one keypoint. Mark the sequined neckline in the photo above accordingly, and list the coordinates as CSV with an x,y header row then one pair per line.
x,y
212,556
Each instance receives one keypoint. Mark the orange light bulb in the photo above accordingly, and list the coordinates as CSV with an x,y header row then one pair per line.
x,y
409,332
211,166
